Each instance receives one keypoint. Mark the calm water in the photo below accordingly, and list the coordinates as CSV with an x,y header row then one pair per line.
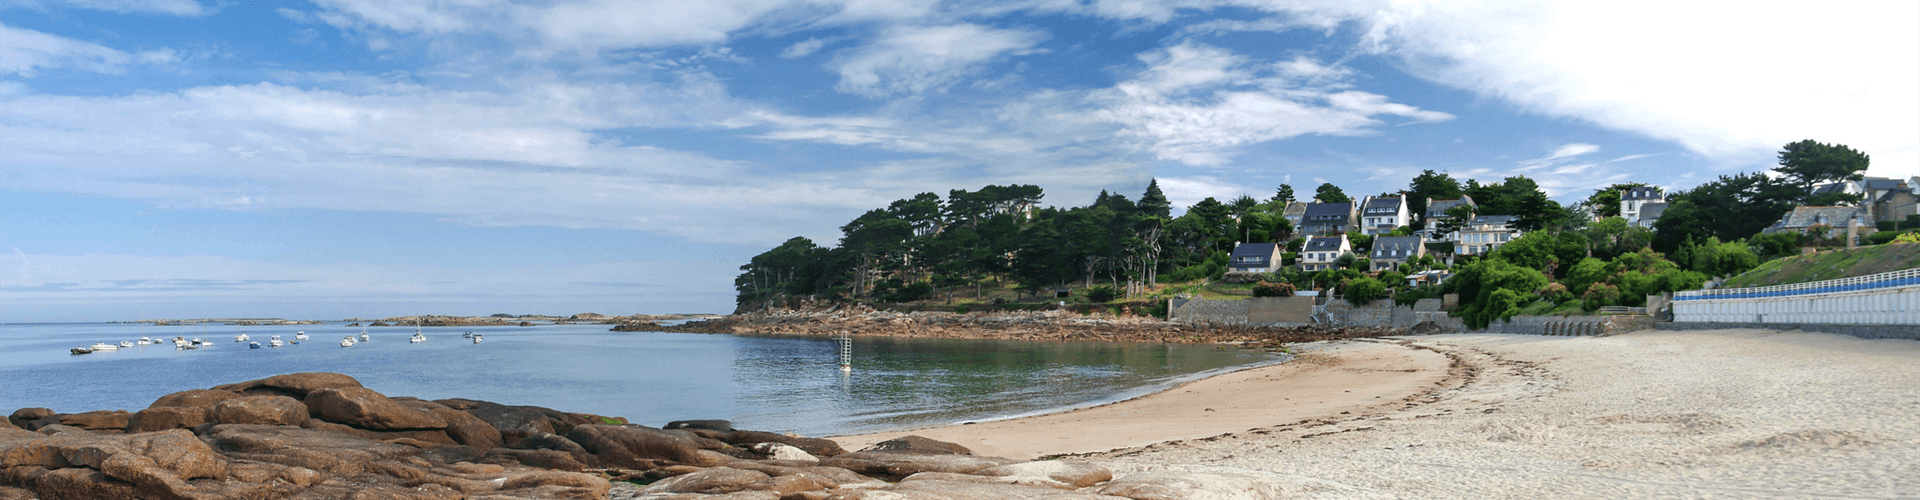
x,y
776,384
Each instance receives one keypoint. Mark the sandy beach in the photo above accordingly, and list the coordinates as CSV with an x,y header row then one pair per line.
x,y
1721,414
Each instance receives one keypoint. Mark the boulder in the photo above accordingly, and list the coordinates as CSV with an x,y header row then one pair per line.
x,y
899,465
545,459
779,451
469,430
364,408
970,478
306,383
167,417
1072,472
813,446
618,445
101,420
917,444
715,425
197,398
545,441
263,410
513,422
555,484
21,416
714,481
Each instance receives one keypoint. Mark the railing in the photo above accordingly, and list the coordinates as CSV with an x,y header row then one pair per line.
x,y
1869,282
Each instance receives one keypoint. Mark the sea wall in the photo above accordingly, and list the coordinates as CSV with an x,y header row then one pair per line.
x,y
1256,311
1425,316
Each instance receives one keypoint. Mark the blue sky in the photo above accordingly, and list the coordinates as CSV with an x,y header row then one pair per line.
x,y
334,158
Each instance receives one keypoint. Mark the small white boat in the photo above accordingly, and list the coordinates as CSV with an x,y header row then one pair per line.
x,y
103,346
364,337
467,335
146,341
476,338
275,342
242,337
417,338
125,343
299,335
253,345
200,343
346,342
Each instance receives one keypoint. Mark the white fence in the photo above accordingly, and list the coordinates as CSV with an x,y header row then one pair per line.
x,y
1880,299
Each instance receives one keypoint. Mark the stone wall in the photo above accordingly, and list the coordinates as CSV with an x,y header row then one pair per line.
x,y
1280,311
1423,317
1203,311
1598,326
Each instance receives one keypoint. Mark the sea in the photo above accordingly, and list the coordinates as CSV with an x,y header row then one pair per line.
x,y
768,383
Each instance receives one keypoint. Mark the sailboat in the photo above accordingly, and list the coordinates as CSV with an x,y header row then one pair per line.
x,y
363,334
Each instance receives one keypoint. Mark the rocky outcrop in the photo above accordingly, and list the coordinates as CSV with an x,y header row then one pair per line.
x,y
264,410
863,321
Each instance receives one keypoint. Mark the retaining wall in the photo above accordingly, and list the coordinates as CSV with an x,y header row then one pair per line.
x,y
1862,331
1881,299
1423,317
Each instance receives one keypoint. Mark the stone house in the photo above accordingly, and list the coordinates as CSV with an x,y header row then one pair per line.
x,y
1389,252
1294,211
1839,221
1649,214
1632,200
1382,215
1320,252
1322,219
1255,258
1436,210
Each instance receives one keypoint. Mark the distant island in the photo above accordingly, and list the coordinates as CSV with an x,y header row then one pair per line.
x,y
444,320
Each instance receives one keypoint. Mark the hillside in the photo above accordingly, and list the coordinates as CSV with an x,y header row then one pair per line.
x,y
1834,264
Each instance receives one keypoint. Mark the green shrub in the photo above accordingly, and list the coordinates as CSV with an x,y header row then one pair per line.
x,y
1269,289
1493,289
1100,293
1364,291
1601,295
962,309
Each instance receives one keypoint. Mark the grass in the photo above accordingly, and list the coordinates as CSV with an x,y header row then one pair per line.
x,y
1832,264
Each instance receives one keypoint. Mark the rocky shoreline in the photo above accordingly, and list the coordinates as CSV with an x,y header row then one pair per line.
x,y
863,321
323,435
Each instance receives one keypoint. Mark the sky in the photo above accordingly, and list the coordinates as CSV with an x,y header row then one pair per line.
x,y
361,158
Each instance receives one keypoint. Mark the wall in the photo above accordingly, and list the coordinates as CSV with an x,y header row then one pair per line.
x,y
1889,299
1424,317
1280,311
1203,311
1862,331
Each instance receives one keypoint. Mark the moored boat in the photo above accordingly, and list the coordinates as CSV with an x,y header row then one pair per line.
x,y
253,345
299,335
103,346
476,338
126,343
275,342
242,337
81,350
347,342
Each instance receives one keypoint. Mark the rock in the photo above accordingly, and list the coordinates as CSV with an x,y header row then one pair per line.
x,y
167,417
917,444
25,417
364,408
555,484
1075,473
717,480
618,445
960,490
1168,485
813,446
197,398
717,425
896,464
970,478
469,430
328,452
780,451
81,483
11,493
545,459
306,383
101,420
514,422
263,410
21,416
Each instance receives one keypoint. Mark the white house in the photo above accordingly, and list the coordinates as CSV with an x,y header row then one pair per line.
x,y
1483,234
1320,252
1382,215
1255,258
1633,199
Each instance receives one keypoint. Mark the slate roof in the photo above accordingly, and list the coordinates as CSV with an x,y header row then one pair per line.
x,y
1881,183
1261,250
1324,243
1328,211
1493,219
1385,246
1652,211
1833,187
1295,208
1802,217
1641,193
1383,205
1438,208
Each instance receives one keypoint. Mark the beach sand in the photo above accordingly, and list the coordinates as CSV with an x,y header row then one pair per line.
x,y
1720,414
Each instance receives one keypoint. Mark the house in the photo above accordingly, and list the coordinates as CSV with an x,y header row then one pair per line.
x,y
1839,221
1895,206
1649,214
1869,189
1293,212
1430,277
1633,199
1437,209
1255,258
1383,215
1321,219
1320,252
1389,252
1484,233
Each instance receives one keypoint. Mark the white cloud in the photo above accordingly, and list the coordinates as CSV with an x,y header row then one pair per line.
x,y
1183,192
1198,104
803,48
1732,84
26,51
914,60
